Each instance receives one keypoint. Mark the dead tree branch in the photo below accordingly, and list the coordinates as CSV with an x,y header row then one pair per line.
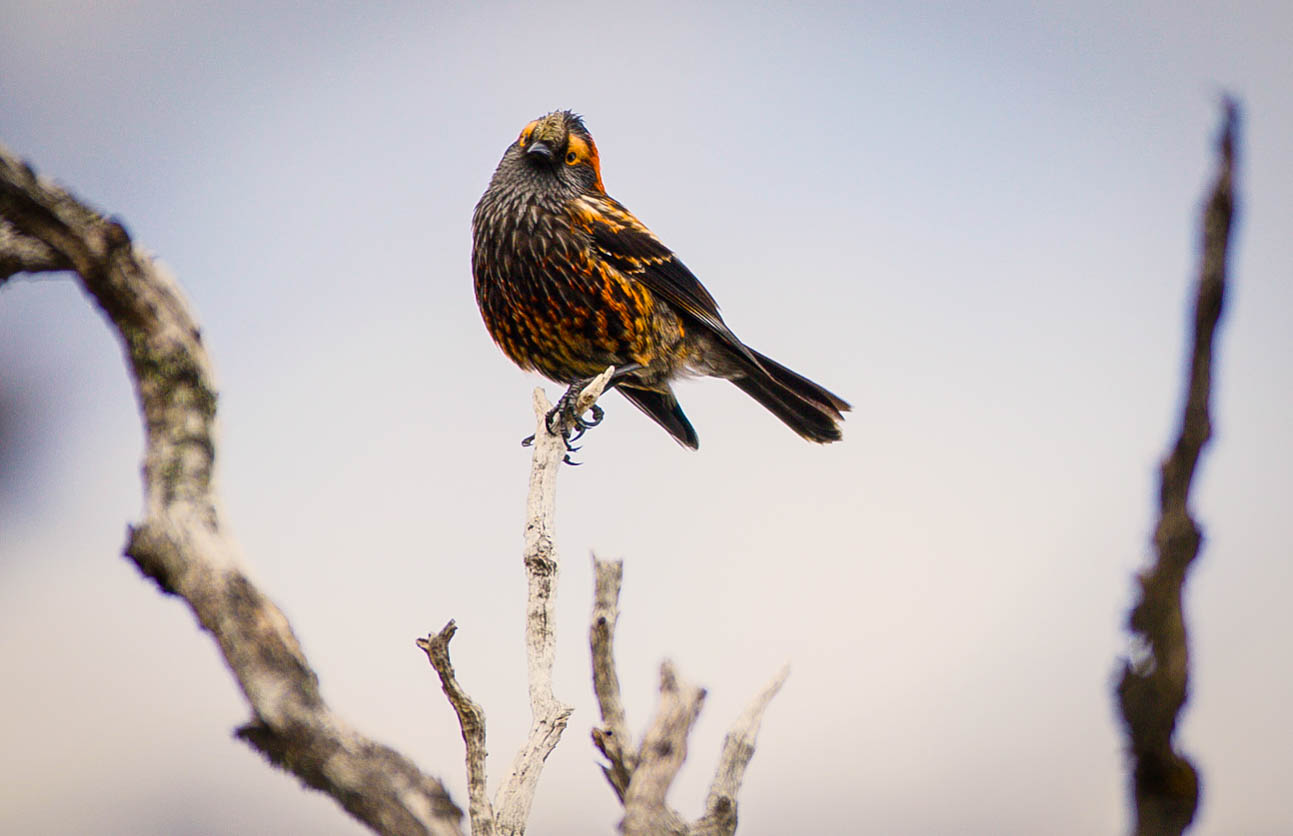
x,y
511,810
22,254
738,749
641,777
471,719
1155,684
661,755
182,543
612,737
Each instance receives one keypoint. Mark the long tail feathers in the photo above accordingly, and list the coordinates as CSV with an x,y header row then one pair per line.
x,y
802,405
663,408
805,407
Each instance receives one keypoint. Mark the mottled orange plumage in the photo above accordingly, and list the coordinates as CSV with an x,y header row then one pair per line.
x,y
570,282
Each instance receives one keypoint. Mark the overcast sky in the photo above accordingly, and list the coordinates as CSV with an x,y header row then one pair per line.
x,y
979,225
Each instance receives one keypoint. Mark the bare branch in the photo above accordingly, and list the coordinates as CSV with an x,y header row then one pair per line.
x,y
641,776
612,737
663,750
548,715
1154,687
738,748
23,254
471,719
182,543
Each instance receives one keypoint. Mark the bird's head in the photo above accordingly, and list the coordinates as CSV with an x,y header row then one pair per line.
x,y
557,147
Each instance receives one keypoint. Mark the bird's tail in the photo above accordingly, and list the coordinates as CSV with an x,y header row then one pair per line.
x,y
804,406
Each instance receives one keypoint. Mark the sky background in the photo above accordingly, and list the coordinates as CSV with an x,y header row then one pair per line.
x,y
976,223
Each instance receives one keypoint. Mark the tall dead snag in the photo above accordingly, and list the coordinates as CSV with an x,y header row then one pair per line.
x,y
1154,685
182,542
511,808
641,775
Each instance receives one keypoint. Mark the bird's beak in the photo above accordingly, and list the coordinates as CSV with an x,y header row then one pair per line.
x,y
541,150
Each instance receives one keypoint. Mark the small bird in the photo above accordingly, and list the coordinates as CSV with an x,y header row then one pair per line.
x,y
569,282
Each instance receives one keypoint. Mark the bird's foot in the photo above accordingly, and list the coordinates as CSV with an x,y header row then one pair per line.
x,y
564,420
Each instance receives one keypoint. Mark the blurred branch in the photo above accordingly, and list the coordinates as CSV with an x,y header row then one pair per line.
x,y
641,777
738,749
1154,685
661,755
612,737
182,543
23,254
511,809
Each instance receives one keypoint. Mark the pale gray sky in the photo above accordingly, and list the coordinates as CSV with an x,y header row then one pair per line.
x,y
978,225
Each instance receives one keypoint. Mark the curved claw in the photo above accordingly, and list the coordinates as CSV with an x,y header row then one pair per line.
x,y
564,421
553,419
583,424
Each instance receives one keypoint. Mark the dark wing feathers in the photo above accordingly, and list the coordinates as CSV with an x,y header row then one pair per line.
x,y
663,408
626,243
622,241
634,249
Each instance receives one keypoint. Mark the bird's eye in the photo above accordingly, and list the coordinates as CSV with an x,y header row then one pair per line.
x,y
571,158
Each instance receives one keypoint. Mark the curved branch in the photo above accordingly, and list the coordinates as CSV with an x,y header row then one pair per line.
x,y
182,543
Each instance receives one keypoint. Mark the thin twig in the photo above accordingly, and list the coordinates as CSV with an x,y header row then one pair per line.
x,y
1155,686
182,542
471,719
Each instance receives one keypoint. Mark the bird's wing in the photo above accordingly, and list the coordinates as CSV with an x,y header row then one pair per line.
x,y
663,408
626,243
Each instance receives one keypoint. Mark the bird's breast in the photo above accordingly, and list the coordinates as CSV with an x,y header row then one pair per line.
x,y
548,298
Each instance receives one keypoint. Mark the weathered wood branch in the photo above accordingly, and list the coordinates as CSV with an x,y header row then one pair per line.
x,y
641,776
511,809
1155,684
182,542
612,737
661,755
471,719
738,749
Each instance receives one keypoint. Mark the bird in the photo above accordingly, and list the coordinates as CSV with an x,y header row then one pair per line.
x,y
569,282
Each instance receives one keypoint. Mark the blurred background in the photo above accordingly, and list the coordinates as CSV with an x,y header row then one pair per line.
x,y
979,225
